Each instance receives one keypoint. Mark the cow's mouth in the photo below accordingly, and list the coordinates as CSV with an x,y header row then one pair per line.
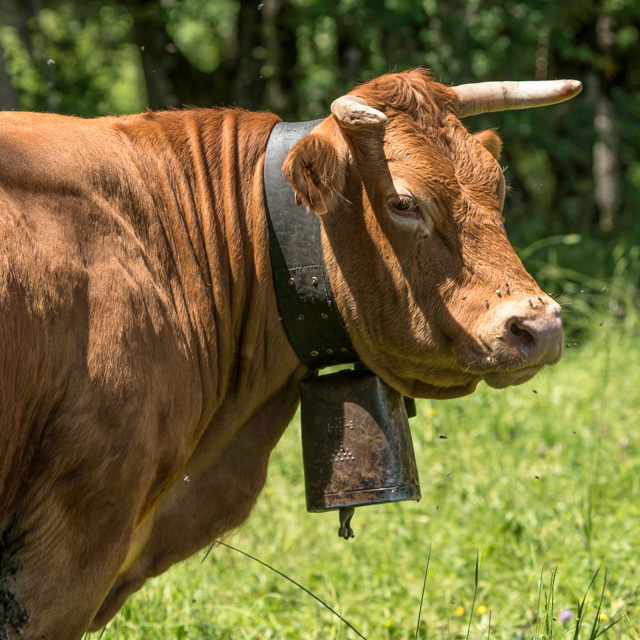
x,y
503,379
420,389
497,379
460,376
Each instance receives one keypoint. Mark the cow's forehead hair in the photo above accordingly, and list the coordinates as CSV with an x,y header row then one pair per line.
x,y
423,162
405,140
413,92
414,101
447,163
422,113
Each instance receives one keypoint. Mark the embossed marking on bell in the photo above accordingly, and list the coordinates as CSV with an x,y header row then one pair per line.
x,y
356,442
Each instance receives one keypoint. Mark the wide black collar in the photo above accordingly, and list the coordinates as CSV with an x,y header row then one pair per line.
x,y
305,300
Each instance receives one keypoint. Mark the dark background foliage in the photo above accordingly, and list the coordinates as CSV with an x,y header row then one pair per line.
x,y
573,168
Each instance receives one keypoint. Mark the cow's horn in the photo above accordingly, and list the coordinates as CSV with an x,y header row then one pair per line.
x,y
352,112
484,97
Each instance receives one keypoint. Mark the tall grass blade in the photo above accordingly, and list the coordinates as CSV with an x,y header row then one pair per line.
x,y
633,631
264,564
424,584
536,633
596,631
582,606
206,555
548,606
598,622
613,623
475,591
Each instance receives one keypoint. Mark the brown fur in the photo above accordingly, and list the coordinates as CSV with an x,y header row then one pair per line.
x,y
141,342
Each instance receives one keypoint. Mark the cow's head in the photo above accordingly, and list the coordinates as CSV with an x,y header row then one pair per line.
x,y
433,295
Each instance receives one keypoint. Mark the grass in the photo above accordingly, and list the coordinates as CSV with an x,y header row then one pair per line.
x,y
541,482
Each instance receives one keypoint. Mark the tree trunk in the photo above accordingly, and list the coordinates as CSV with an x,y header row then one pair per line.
x,y
151,36
605,164
8,101
249,86
605,148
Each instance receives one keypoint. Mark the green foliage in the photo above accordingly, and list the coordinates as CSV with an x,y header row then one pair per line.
x,y
203,30
547,479
75,62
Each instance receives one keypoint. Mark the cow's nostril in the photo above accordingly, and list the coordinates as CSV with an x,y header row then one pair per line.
x,y
524,341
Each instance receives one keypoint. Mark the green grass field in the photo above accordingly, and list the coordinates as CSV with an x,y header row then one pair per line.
x,y
536,477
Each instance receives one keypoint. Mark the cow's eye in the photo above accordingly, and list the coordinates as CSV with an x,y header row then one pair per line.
x,y
404,204
408,214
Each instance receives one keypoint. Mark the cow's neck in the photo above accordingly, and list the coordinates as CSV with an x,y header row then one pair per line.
x,y
211,214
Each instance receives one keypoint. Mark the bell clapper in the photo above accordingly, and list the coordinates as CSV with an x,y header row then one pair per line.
x,y
345,531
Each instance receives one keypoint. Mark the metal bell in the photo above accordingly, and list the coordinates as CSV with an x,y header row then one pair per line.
x,y
356,444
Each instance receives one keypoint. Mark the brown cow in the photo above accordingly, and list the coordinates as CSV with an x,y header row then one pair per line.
x,y
141,342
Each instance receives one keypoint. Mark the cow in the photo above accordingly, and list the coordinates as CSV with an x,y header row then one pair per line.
x,y
141,343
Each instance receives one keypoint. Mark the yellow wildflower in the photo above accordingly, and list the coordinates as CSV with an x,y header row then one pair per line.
x,y
481,609
616,605
459,611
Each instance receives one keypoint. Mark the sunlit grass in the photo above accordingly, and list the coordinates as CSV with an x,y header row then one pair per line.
x,y
540,476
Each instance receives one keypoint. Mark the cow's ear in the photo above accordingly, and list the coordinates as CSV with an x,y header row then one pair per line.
x,y
316,169
491,141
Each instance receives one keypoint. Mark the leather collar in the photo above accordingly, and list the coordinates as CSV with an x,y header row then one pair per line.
x,y
305,300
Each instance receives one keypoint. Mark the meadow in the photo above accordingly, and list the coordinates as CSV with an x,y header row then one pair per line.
x,y
540,481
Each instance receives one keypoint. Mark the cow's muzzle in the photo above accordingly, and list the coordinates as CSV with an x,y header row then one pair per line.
x,y
536,334
518,340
